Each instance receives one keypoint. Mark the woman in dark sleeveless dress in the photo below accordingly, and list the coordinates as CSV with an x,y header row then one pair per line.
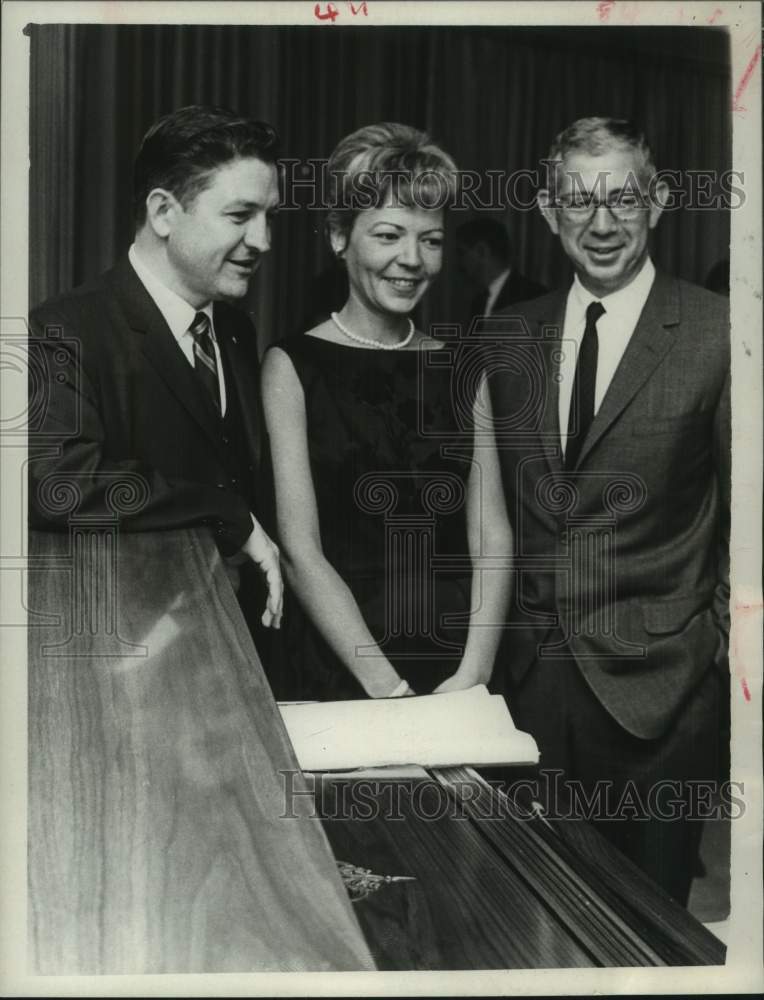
x,y
386,507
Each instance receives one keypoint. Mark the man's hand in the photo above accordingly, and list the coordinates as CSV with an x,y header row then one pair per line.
x,y
265,553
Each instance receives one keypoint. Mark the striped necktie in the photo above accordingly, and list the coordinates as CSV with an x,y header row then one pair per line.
x,y
205,364
584,384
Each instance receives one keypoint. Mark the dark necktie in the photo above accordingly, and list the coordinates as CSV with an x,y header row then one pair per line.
x,y
582,400
205,364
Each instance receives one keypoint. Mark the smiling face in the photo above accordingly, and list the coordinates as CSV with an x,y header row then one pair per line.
x,y
392,255
607,252
214,245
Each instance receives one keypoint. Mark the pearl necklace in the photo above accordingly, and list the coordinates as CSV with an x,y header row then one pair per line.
x,y
367,342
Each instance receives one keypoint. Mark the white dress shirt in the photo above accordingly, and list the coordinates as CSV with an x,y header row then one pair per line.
x,y
179,316
493,291
614,330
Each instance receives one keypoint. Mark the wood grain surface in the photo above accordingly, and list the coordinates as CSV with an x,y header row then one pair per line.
x,y
599,895
157,837
496,887
467,908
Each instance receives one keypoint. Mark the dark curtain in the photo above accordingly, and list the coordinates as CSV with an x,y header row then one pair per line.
x,y
494,98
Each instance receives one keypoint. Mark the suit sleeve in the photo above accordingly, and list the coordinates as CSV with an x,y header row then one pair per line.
x,y
70,473
723,466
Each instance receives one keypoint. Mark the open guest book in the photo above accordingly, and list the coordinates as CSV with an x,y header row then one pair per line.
x,y
437,730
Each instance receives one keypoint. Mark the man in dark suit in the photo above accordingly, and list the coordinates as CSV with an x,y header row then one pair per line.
x,y
614,431
484,254
150,376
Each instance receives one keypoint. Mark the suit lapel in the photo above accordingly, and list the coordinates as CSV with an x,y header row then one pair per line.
x,y
241,380
504,298
513,290
649,343
549,334
161,348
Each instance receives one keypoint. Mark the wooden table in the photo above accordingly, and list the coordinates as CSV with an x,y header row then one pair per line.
x,y
156,841
496,886
171,831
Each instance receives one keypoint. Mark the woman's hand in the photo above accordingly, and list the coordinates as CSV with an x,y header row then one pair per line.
x,y
459,681
384,687
404,690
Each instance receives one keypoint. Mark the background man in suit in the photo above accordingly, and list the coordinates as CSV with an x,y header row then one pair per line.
x,y
151,377
616,468
484,253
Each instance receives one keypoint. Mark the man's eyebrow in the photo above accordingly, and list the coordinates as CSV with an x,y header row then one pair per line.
x,y
613,192
243,203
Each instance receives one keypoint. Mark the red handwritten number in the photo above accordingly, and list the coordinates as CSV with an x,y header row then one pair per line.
x,y
362,8
604,8
329,15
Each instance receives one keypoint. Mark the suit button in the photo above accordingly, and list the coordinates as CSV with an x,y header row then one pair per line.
x,y
234,482
226,440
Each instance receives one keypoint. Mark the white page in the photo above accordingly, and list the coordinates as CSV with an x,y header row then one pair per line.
x,y
461,727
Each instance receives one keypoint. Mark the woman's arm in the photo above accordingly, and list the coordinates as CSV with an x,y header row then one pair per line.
x,y
322,592
490,544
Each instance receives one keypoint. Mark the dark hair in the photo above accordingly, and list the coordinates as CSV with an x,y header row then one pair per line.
x,y
181,151
377,161
488,231
596,136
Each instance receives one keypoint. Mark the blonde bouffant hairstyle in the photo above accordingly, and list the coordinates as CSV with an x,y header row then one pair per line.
x,y
388,163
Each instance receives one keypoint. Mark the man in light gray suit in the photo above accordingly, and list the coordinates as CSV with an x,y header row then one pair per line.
x,y
614,429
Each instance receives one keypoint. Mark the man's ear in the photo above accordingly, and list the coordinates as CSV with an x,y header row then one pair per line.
x,y
544,202
659,196
161,208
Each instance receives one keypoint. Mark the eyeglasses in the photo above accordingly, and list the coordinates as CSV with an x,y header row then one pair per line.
x,y
621,206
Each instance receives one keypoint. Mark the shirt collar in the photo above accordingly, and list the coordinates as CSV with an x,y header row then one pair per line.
x,y
627,301
177,313
495,286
